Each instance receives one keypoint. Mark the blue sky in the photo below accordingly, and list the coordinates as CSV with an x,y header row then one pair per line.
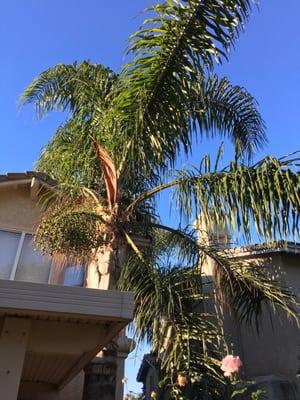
x,y
36,34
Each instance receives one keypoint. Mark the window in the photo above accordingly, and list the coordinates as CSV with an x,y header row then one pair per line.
x,y
74,275
9,242
20,261
33,266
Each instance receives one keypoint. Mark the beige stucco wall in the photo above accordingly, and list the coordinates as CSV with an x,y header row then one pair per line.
x,y
274,351
17,210
73,391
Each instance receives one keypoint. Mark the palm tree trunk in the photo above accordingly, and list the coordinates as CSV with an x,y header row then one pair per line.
x,y
103,272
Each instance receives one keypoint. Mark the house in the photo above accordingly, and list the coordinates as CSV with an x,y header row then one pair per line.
x,y
59,339
148,375
270,356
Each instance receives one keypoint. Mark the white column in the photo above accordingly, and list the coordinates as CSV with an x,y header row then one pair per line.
x,y
13,343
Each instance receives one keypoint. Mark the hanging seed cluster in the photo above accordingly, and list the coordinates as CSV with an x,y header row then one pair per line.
x,y
70,232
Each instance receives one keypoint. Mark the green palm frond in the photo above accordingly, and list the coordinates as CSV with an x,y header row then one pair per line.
x,y
146,114
229,110
79,88
249,288
70,158
171,311
177,245
160,90
245,286
265,194
84,90
170,314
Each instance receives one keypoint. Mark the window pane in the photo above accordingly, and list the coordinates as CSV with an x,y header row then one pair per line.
x,y
8,248
74,276
33,266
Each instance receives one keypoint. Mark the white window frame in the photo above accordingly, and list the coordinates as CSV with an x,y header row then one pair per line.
x,y
17,257
22,234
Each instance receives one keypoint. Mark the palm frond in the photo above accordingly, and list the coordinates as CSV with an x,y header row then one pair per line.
x,y
160,90
249,287
78,87
70,157
84,90
245,286
225,109
172,302
169,314
180,246
264,195
109,174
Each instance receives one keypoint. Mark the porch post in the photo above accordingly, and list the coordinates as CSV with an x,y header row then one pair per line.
x,y
13,343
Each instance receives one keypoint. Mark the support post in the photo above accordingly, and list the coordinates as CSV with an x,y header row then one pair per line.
x,y
13,343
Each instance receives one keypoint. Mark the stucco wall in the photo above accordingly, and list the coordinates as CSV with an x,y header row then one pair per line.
x,y
274,352
17,210
151,383
72,391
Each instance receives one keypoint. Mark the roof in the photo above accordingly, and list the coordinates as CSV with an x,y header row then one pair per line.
x,y
17,177
264,248
149,361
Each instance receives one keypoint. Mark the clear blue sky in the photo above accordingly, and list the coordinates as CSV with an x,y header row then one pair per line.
x,y
36,34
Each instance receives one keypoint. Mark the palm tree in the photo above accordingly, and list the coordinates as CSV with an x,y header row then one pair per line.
x,y
116,151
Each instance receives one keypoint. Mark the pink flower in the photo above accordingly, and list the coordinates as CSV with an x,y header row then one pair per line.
x,y
230,365
181,380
